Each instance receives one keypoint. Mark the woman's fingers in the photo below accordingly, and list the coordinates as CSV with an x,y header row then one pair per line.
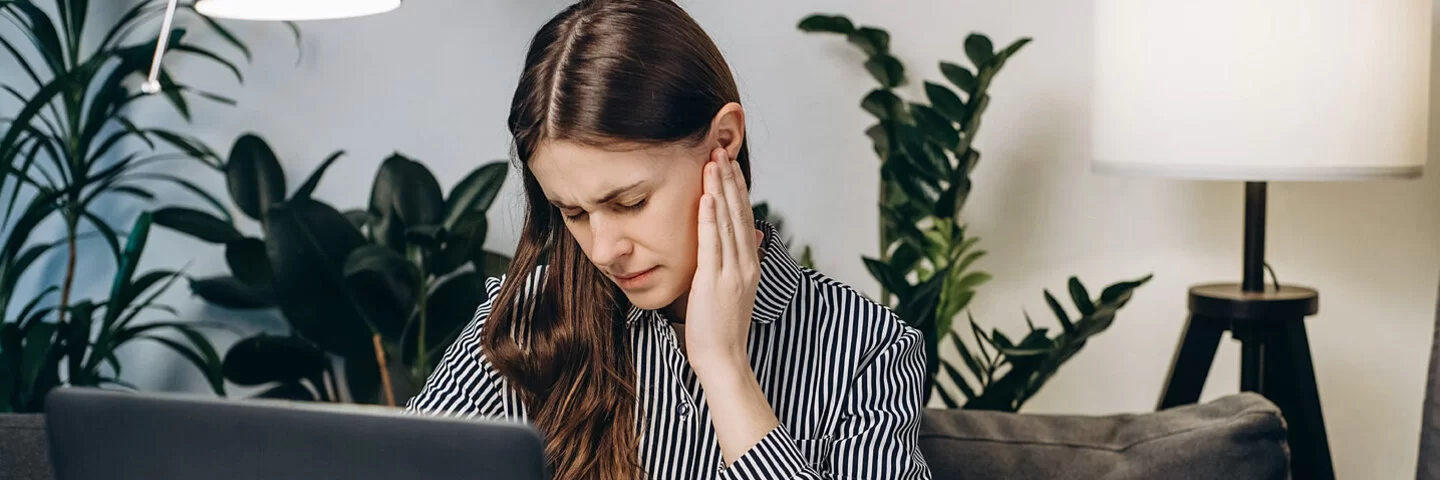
x,y
708,258
724,221
738,203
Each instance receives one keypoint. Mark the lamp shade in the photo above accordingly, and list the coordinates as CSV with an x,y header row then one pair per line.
x,y
1262,90
293,10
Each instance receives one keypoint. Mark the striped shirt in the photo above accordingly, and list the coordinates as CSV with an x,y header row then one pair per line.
x,y
842,373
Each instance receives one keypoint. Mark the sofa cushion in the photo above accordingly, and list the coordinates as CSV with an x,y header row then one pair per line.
x,y
24,447
1237,436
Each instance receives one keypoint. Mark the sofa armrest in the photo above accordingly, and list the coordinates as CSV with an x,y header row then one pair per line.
x,y
1238,436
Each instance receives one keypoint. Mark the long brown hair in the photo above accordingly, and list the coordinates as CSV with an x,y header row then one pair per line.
x,y
602,73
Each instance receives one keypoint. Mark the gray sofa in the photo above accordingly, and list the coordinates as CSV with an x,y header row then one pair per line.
x,y
1239,436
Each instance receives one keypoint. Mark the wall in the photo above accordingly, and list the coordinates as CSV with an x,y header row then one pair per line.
x,y
433,81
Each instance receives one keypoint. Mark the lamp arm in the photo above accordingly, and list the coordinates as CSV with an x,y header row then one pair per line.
x,y
152,84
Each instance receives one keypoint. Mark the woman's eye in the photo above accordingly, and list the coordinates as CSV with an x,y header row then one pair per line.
x,y
576,216
633,206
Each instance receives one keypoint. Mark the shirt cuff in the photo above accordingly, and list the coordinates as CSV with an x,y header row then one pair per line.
x,y
775,457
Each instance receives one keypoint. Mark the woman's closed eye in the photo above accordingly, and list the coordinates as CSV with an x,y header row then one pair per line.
x,y
580,214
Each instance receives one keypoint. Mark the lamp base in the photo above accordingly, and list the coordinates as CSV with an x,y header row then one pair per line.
x,y
1274,360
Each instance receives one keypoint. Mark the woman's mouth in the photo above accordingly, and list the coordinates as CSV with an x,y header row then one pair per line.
x,y
634,280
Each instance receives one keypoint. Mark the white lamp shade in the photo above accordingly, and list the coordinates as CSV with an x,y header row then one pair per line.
x,y
293,10
1262,90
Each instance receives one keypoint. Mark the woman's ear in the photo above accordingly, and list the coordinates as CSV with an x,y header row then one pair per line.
x,y
727,129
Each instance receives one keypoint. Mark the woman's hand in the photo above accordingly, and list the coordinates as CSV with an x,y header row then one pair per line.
x,y
722,295
717,317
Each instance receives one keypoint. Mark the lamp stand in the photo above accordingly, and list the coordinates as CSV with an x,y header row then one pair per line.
x,y
1275,359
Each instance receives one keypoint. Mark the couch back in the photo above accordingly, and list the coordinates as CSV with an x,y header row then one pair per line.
x,y
1240,436
24,448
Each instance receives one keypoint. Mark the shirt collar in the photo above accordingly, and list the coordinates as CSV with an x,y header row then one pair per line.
x,y
780,277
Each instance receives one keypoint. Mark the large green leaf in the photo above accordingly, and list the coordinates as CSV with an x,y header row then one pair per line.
x,y
362,376
980,50
404,194
197,224
884,105
269,358
464,243
385,285
308,243
254,176
249,263
476,192
960,77
230,292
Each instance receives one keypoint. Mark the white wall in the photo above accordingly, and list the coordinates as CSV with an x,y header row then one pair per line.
x,y
433,80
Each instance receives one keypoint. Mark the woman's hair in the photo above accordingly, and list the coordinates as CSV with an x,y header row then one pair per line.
x,y
604,73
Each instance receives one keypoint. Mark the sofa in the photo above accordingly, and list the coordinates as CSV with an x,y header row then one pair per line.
x,y
1238,436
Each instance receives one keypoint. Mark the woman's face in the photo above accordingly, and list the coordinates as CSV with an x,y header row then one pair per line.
x,y
633,211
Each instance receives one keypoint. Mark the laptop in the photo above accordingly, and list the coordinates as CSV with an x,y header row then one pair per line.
x,y
116,435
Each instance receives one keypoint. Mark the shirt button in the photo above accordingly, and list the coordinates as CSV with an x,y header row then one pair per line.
x,y
683,410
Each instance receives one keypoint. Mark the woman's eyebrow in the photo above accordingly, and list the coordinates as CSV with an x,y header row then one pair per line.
x,y
606,198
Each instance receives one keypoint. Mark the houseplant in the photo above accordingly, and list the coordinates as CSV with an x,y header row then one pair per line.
x,y
384,289
927,154
74,146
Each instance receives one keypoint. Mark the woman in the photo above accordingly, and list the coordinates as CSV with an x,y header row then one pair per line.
x,y
644,327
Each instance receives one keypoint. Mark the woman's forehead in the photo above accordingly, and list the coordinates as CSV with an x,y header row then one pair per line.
x,y
571,172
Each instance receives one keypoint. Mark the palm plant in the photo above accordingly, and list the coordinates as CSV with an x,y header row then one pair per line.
x,y
73,146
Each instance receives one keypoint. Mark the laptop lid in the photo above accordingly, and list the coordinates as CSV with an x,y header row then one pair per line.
x,y
106,434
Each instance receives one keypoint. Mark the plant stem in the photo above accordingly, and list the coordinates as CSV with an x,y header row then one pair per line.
x,y
384,372
71,223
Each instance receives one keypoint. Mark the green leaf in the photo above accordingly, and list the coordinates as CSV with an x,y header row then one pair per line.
x,y
223,32
972,280
254,177
1059,312
935,126
268,358
197,224
1119,293
883,274
880,139
958,379
202,356
404,194
308,243
476,192
230,292
43,34
827,23
206,53
386,285
450,307
1012,49
870,40
976,368
362,376
887,70
960,76
945,102
465,243
249,263
1081,297
979,49
314,180
884,105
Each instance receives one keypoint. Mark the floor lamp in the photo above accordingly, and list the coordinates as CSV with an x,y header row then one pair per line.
x,y
1260,91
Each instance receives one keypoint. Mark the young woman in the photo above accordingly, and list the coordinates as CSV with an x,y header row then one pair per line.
x,y
648,326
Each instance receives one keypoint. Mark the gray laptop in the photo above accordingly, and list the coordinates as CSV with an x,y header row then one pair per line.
x,y
98,434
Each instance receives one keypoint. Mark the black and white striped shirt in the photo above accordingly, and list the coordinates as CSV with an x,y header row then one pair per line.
x,y
842,373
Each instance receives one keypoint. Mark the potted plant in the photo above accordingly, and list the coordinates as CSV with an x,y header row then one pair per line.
x,y
383,289
927,153
71,147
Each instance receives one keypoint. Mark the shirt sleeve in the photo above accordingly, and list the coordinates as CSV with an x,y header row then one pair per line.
x,y
878,436
465,383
